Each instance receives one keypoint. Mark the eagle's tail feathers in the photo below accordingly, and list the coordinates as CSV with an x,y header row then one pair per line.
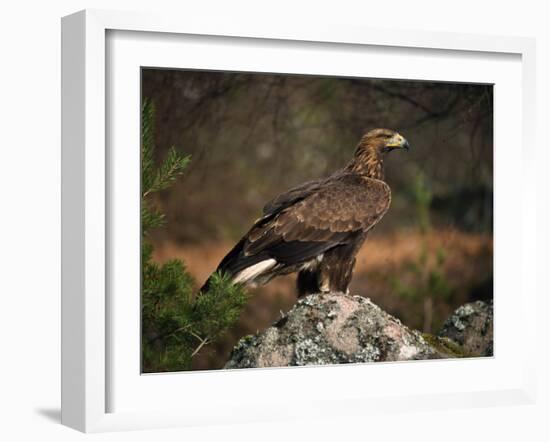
x,y
255,270
242,269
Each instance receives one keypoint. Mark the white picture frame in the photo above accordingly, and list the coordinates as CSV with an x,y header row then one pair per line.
x,y
88,168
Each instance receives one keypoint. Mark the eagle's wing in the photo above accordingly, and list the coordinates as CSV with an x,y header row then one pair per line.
x,y
327,214
334,214
291,196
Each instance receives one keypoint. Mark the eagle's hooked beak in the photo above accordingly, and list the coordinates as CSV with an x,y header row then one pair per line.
x,y
398,142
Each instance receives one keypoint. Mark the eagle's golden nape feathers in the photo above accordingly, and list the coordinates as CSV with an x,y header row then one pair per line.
x,y
369,154
317,228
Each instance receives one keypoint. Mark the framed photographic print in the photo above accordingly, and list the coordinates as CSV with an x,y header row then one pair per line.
x,y
252,210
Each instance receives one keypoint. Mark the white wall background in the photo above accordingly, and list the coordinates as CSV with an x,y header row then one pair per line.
x,y
30,215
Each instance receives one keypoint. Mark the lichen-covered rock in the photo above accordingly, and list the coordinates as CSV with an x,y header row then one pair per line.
x,y
332,328
471,326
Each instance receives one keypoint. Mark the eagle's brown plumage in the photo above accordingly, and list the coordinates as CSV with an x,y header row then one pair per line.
x,y
318,227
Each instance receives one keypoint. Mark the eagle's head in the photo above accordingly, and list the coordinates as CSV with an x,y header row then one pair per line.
x,y
368,158
382,141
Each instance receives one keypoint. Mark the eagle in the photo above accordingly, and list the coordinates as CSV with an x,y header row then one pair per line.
x,y
317,228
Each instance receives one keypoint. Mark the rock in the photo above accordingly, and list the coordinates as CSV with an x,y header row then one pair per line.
x,y
471,326
333,328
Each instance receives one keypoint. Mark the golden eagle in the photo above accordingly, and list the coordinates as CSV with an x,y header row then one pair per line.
x,y
317,228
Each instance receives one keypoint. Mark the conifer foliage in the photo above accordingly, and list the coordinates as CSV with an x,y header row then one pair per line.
x,y
176,325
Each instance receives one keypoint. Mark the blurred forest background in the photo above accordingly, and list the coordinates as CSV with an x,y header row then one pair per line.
x,y
252,136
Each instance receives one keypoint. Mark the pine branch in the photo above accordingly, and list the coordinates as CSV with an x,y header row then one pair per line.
x,y
220,307
172,167
147,144
172,321
150,218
